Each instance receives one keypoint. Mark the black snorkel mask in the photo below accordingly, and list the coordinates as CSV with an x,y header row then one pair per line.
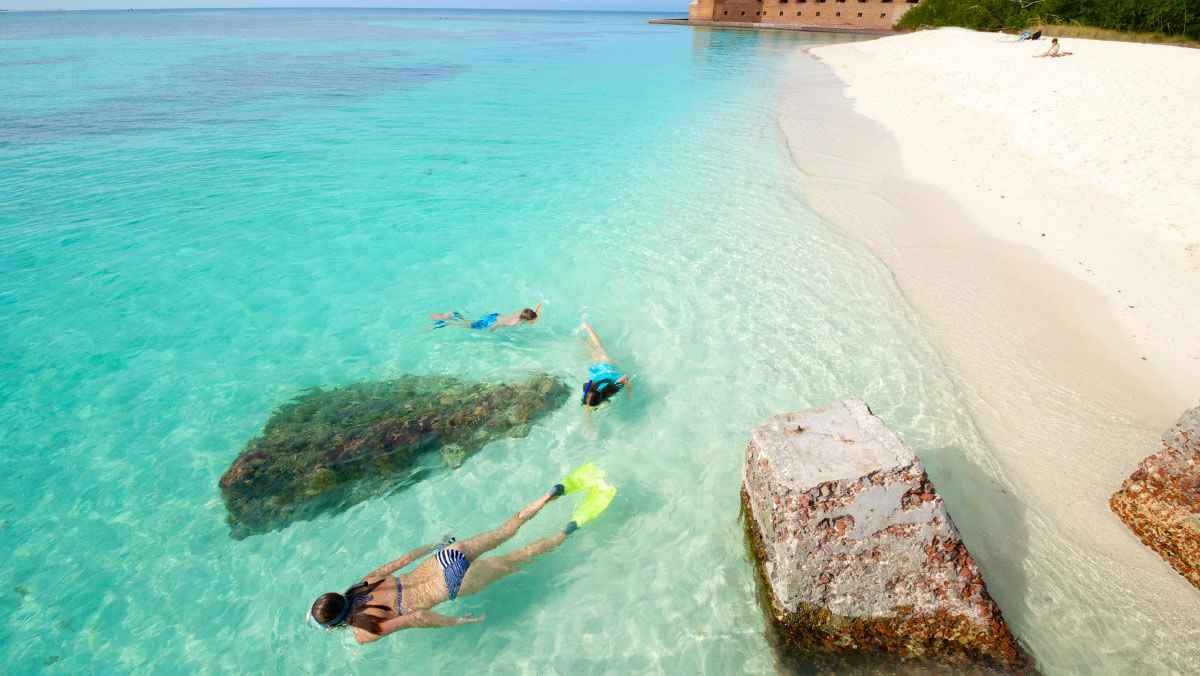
x,y
606,387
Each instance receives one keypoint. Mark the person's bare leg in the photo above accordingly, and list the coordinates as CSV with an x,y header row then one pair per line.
x,y
473,547
592,352
486,571
596,349
441,319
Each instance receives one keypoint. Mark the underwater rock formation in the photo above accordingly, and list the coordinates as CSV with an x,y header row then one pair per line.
x,y
856,554
329,449
1160,502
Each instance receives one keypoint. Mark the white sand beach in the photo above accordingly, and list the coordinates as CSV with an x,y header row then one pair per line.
x,y
1042,216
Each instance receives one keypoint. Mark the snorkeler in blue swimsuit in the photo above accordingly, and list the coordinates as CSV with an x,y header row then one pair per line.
x,y
491,322
381,604
605,380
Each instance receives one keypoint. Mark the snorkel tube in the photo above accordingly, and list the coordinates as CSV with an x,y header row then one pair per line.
x,y
535,311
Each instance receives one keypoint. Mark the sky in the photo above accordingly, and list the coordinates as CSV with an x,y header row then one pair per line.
x,y
671,7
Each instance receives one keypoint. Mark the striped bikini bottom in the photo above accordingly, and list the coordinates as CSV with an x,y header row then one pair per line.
x,y
454,567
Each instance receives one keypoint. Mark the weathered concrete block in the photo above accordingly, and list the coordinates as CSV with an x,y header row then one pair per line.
x,y
1160,501
856,549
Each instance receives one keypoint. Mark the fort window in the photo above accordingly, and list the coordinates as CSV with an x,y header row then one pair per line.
x,y
838,14
781,14
860,15
818,14
743,14
727,12
882,15
797,13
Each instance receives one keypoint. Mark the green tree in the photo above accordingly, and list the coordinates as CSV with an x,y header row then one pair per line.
x,y
1168,17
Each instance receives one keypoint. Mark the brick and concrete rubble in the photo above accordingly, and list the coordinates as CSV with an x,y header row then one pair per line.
x,y
1160,501
855,550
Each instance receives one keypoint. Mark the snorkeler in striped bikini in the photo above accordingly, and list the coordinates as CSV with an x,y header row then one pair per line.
x,y
382,603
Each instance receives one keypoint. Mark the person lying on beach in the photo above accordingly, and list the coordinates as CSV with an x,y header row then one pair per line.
x,y
1037,34
491,322
1053,51
381,604
604,380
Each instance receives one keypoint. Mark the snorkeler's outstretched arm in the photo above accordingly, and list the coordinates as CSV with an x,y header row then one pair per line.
x,y
427,619
416,619
389,568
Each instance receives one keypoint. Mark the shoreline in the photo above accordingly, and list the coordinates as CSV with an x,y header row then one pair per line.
x,y
1050,371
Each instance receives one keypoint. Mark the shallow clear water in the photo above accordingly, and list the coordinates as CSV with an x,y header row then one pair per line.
x,y
207,212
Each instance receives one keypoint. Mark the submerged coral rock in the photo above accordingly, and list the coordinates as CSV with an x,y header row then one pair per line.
x,y
856,553
329,449
1160,502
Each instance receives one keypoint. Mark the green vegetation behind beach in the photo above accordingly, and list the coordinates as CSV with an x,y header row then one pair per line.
x,y
1152,20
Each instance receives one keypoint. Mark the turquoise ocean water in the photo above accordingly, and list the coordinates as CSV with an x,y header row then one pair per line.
x,y
206,212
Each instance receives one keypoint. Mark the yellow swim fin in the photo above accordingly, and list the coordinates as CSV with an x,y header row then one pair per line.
x,y
596,502
583,478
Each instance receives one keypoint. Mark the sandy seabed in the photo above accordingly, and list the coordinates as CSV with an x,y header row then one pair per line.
x,y
1042,216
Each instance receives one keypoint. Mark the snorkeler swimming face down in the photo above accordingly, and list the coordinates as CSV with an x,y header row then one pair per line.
x,y
528,315
450,569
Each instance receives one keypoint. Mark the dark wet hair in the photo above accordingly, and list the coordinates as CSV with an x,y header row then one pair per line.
x,y
528,315
596,392
328,607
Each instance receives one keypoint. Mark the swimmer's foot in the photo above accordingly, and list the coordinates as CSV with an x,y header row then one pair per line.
x,y
558,490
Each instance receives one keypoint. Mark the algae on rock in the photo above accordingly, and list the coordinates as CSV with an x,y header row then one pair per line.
x,y
329,449
1160,501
